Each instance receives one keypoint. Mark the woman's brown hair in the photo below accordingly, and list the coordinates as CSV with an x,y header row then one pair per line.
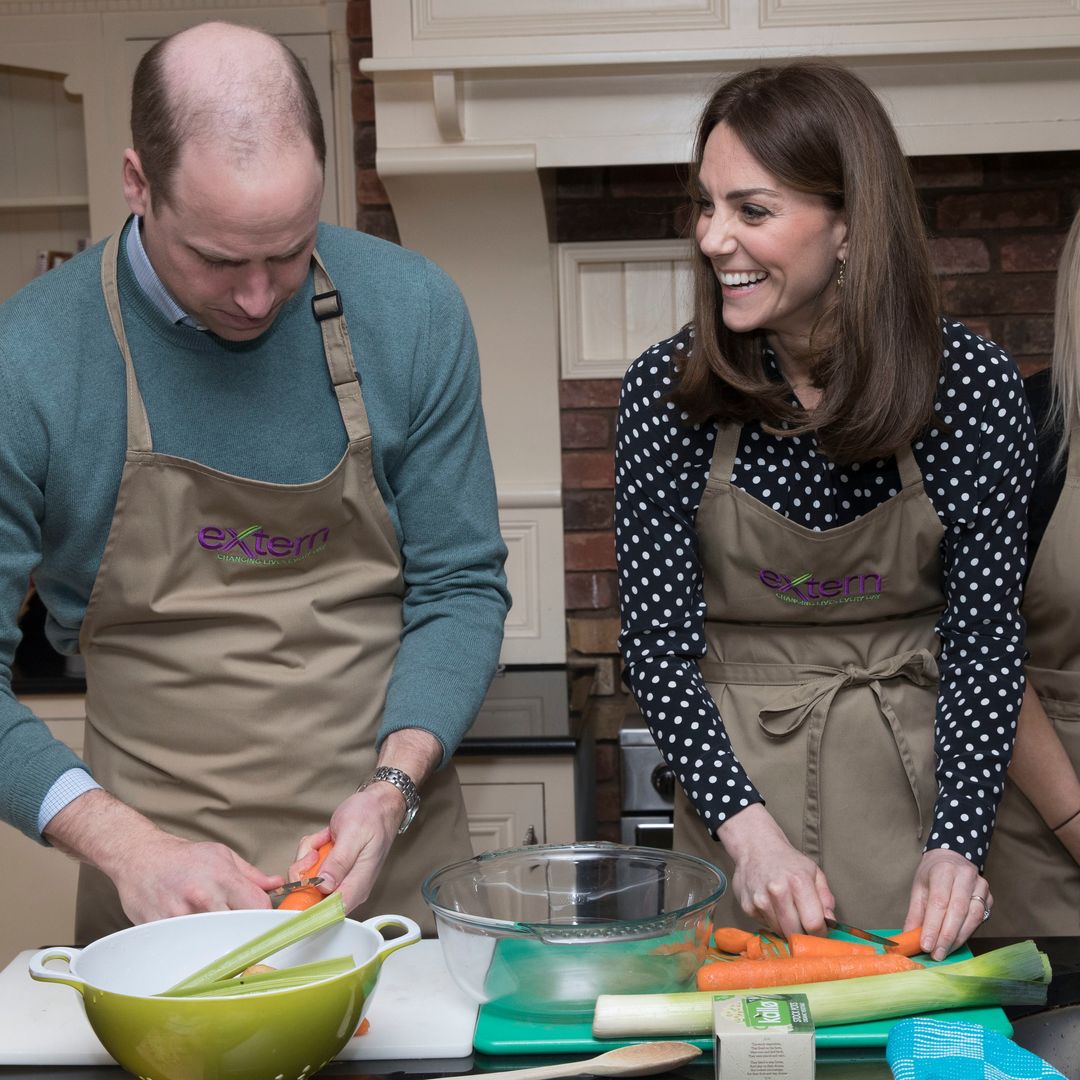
x,y
876,351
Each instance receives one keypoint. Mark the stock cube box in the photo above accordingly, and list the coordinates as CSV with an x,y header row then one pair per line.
x,y
763,1037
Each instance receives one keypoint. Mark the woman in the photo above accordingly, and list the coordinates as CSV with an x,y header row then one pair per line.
x,y
820,507
1034,863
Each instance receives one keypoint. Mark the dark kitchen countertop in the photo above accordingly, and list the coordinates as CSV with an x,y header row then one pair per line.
x,y
1064,953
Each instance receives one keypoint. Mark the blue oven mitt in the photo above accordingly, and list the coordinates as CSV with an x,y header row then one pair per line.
x,y
925,1049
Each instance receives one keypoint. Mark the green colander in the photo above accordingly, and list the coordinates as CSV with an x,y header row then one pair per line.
x,y
276,1035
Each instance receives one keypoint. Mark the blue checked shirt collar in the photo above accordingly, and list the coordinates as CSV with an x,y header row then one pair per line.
x,y
150,283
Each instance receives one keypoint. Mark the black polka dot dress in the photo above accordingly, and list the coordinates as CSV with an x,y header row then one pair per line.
x,y
977,461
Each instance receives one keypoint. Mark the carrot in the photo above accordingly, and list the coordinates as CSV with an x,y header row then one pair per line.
x,y
731,938
753,949
813,945
794,970
907,943
365,1024
774,946
309,896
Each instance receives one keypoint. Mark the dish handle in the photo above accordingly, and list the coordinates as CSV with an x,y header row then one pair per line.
x,y
41,973
409,937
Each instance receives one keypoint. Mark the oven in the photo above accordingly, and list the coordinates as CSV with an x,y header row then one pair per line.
x,y
648,791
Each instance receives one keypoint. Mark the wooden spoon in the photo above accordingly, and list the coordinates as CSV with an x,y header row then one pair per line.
x,y
641,1059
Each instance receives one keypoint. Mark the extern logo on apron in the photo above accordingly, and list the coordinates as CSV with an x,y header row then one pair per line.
x,y
254,547
807,590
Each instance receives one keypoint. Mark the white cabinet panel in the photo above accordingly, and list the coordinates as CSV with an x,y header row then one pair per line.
x,y
502,815
616,298
503,790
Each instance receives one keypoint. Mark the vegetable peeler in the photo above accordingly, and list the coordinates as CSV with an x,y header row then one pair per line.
x,y
279,894
854,931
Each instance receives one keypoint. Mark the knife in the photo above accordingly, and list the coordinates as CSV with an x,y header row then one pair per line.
x,y
279,894
854,931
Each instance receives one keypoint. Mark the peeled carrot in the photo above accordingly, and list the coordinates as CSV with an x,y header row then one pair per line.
x,y
907,943
309,896
731,939
794,970
365,1024
813,945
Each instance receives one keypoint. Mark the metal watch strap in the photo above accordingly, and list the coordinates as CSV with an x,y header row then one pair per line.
x,y
403,782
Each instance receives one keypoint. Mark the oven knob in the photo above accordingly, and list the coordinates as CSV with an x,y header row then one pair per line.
x,y
663,780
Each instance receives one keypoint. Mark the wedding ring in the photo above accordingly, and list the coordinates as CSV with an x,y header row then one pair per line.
x,y
982,900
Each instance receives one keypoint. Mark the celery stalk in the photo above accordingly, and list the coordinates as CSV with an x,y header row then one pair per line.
x,y
283,979
1013,975
326,913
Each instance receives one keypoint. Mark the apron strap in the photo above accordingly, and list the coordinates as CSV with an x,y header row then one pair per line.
x,y
729,435
138,426
808,697
1072,471
327,308
910,473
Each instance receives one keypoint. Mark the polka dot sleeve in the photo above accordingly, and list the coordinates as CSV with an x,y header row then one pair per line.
x,y
978,465
661,466
977,462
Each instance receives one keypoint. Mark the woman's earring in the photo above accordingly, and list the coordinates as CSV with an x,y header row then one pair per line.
x,y
840,276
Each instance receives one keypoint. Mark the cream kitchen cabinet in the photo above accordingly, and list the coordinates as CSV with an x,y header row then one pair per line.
x,y
518,800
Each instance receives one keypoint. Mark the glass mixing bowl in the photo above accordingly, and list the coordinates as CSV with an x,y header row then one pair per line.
x,y
539,932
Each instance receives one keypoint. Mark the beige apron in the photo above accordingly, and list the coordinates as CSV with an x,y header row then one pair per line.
x,y
1035,882
821,656
239,641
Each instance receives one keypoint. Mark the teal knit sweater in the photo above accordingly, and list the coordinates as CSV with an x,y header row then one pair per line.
x,y
262,409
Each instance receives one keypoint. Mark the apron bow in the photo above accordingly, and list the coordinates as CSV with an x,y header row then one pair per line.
x,y
811,701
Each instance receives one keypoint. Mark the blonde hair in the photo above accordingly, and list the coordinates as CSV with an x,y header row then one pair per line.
x,y
1064,412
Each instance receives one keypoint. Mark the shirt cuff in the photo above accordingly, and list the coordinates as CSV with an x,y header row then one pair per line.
x,y
66,788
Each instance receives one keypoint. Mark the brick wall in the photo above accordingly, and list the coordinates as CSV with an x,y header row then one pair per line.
x,y
997,223
373,213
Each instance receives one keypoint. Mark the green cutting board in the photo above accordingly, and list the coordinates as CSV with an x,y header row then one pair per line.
x,y
503,1033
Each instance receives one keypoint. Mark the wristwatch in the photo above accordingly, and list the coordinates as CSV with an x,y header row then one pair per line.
x,y
403,782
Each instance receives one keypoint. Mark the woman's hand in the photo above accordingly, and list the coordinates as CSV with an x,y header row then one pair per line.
x,y
774,883
948,898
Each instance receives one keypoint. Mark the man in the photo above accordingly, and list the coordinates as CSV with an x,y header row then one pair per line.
x,y
285,587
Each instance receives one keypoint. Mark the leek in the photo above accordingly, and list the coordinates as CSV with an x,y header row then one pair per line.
x,y
319,916
1014,975
286,978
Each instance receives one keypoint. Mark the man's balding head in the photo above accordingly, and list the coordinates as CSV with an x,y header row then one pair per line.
x,y
236,90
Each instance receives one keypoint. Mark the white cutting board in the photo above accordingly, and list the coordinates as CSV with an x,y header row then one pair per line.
x,y
418,1011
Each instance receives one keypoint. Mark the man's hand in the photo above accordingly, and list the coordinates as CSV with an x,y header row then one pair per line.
x,y
774,883
156,874
364,826
948,897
